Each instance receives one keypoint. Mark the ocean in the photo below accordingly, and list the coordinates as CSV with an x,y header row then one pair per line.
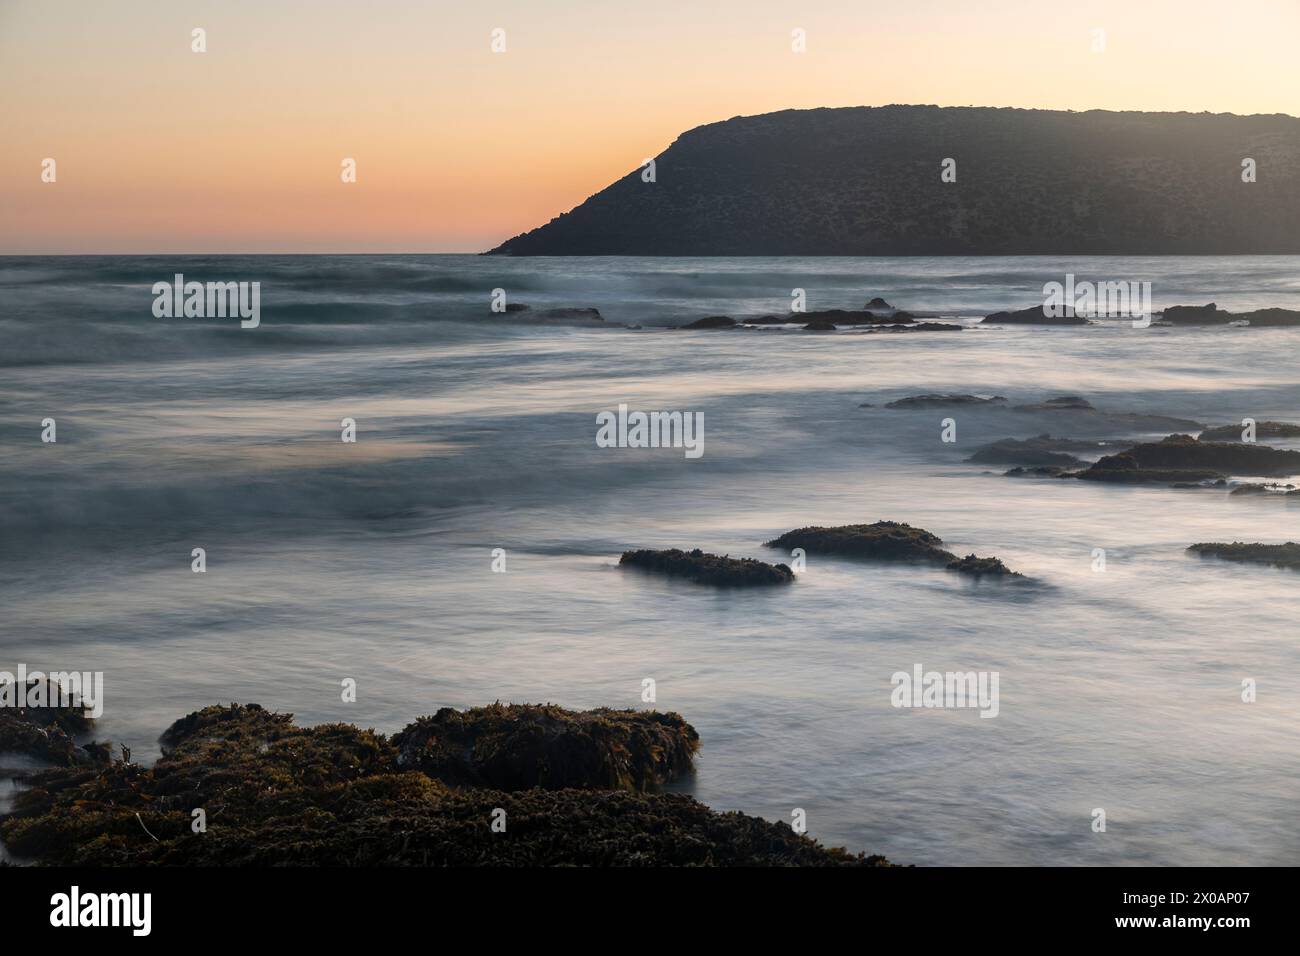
x,y
1120,689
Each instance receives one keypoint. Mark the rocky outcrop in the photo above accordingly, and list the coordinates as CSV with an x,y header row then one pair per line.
x,y
1065,403
1211,314
1262,430
1277,555
886,541
866,181
819,325
48,731
1185,453
1035,315
276,794
702,568
518,746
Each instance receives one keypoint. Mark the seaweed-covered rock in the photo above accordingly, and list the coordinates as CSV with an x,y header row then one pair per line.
x,y
882,541
981,567
47,731
517,746
711,322
1262,430
820,325
278,794
1183,453
1278,555
944,401
1034,315
705,568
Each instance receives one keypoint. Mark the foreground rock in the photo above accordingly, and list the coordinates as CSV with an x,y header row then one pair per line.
x,y
1277,555
1035,315
1211,314
277,794
1183,458
1262,430
886,541
519,746
705,568
47,731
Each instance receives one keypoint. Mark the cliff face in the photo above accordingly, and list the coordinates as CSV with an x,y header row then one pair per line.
x,y
866,181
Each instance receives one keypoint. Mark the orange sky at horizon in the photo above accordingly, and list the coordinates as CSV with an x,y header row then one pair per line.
x,y
238,149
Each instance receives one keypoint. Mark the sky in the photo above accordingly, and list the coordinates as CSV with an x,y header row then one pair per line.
x,y
158,148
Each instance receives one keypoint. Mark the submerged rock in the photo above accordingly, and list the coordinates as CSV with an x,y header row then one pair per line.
x,y
1262,430
1039,471
711,322
277,794
705,568
922,327
518,746
1064,403
1035,315
1278,555
1038,451
944,401
979,567
819,325
835,316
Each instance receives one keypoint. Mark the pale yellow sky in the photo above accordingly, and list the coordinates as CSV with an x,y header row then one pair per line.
x,y
161,149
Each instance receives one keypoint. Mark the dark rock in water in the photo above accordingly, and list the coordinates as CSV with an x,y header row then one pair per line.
x,y
517,307
1269,318
902,315
879,303
711,322
1041,471
1211,314
921,327
1262,430
335,795
943,401
836,316
1196,315
519,746
709,568
1278,555
979,567
1185,453
1064,403
1041,450
47,731
820,325
882,541
1035,315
